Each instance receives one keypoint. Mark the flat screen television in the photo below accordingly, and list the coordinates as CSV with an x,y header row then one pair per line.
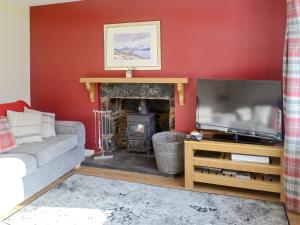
x,y
243,107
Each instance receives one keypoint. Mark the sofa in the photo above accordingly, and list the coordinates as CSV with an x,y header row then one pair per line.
x,y
30,167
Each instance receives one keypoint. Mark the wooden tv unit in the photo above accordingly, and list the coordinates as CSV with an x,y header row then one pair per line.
x,y
256,182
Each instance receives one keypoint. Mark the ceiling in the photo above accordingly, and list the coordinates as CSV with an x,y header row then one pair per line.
x,y
44,2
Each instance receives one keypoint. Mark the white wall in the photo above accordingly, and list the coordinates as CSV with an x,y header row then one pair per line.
x,y
14,51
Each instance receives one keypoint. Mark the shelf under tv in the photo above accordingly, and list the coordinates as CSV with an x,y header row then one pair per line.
x,y
254,184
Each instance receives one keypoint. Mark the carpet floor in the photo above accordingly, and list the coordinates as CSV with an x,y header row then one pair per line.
x,y
88,200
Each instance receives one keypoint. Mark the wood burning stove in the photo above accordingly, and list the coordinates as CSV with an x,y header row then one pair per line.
x,y
140,128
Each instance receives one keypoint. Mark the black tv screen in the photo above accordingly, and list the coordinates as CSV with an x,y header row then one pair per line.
x,y
246,107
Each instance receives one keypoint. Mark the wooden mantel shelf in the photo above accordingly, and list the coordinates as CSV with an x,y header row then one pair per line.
x,y
90,84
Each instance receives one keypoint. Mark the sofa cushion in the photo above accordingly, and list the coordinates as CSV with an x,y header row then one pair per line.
x,y
7,140
48,149
48,122
17,165
26,127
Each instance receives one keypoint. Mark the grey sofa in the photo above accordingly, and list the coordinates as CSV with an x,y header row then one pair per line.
x,y
30,167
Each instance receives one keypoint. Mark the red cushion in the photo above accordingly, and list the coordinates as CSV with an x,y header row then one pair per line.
x,y
17,106
7,141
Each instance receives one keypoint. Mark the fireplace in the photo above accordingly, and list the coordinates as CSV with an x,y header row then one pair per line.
x,y
132,127
140,128
124,101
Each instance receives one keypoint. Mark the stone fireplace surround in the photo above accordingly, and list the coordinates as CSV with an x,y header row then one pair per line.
x,y
91,82
123,98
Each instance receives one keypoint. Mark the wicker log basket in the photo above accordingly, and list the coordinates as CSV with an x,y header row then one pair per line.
x,y
169,151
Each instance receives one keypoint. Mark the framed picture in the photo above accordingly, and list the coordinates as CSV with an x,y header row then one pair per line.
x,y
132,46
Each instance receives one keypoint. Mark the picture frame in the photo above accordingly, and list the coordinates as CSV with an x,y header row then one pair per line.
x,y
132,46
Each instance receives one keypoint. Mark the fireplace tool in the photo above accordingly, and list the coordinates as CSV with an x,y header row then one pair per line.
x,y
103,133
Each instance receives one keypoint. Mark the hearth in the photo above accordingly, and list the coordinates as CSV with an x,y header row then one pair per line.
x,y
140,128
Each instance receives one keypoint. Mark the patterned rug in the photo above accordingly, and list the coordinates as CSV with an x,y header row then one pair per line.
x,y
88,200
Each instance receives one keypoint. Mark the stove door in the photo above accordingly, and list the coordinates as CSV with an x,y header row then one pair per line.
x,y
137,130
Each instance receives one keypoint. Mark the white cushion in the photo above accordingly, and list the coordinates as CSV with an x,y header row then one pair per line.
x,y
26,127
48,122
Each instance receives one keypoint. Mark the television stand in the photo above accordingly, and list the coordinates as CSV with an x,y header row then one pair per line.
x,y
197,157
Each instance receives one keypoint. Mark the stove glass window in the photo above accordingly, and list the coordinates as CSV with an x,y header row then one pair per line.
x,y
137,128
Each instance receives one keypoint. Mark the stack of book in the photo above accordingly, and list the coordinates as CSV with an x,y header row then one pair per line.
x,y
237,174
234,157
231,173
204,169
243,175
270,177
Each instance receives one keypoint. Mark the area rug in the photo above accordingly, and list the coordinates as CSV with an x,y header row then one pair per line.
x,y
88,200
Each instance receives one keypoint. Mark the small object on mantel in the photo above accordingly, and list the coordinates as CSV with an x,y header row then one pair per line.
x,y
129,73
195,136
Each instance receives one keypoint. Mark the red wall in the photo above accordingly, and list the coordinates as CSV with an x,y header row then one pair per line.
x,y
218,39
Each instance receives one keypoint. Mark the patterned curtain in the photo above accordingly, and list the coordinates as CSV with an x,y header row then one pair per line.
x,y
291,101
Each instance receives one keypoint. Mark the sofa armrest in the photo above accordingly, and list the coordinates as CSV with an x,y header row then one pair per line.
x,y
71,127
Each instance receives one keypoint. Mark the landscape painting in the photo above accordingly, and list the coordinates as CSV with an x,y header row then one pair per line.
x,y
132,46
